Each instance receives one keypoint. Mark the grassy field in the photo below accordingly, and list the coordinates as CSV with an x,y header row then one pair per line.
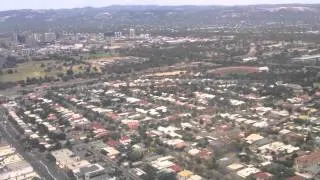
x,y
24,70
317,84
99,55
33,69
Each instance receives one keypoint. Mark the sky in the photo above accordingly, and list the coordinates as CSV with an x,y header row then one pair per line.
x,y
56,4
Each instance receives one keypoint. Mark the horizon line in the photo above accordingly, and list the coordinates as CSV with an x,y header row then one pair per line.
x,y
160,5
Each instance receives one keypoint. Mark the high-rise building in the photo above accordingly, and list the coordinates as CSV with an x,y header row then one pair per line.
x,y
37,37
117,35
49,37
132,33
15,37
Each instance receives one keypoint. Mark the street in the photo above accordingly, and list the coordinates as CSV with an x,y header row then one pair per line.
x,y
111,162
45,170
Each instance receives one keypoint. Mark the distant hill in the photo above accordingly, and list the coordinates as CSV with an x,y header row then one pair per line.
x,y
112,17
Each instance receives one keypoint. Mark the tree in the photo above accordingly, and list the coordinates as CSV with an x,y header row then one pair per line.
x,y
147,141
136,153
135,139
70,72
166,175
161,150
279,171
115,135
43,129
68,144
211,163
188,137
203,143
142,131
10,71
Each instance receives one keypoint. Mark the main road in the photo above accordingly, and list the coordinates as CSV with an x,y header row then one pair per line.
x,y
46,170
15,91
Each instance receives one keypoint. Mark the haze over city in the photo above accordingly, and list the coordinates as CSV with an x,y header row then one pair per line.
x,y
40,4
159,90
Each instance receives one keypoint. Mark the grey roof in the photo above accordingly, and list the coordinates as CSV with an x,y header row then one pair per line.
x,y
103,177
314,169
87,169
262,142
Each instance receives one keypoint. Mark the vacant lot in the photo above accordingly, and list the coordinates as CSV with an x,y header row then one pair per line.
x,y
171,73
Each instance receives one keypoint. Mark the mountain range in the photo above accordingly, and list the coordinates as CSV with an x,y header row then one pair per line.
x,y
113,17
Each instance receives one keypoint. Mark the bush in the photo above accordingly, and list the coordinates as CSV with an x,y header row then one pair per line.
x,y
10,71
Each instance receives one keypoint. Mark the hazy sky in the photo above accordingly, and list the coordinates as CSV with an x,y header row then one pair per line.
x,y
54,4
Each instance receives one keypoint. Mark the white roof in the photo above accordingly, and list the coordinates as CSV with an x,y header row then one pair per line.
x,y
195,177
284,131
265,163
132,100
253,137
111,151
249,121
235,102
193,152
173,142
162,164
235,166
247,172
240,119
260,124
279,147
34,136
165,158
186,125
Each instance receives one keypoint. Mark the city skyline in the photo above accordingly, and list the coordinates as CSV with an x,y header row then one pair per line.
x,y
38,4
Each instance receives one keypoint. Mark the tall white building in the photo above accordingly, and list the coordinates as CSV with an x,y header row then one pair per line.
x,y
36,37
15,37
132,33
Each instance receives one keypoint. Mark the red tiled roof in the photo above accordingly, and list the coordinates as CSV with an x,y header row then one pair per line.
x,y
51,117
204,154
176,168
144,102
133,125
308,159
102,134
124,138
68,97
112,116
96,125
263,175
180,145
222,127
113,143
